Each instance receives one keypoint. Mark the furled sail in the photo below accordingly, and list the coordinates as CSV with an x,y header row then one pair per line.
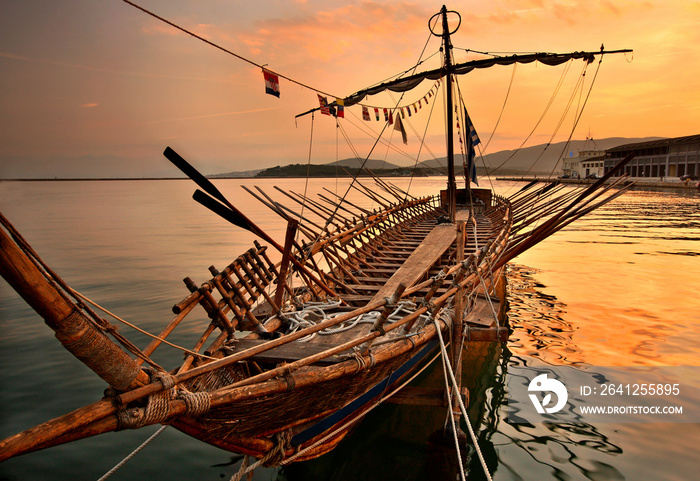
x,y
404,84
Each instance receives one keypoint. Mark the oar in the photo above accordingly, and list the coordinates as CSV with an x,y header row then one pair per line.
x,y
234,216
230,213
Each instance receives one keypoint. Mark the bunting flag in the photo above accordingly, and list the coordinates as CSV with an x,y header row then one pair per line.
x,y
399,126
365,113
426,99
323,101
272,83
386,115
376,112
403,113
415,109
340,111
408,109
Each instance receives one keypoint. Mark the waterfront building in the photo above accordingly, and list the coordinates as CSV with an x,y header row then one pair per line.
x,y
674,157
589,160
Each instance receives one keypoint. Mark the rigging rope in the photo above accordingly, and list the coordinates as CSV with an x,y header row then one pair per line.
x,y
580,113
354,178
135,327
549,104
225,50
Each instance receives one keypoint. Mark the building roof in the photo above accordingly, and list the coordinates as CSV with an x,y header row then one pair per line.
x,y
593,159
657,143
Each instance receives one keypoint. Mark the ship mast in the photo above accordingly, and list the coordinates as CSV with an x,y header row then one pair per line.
x,y
448,69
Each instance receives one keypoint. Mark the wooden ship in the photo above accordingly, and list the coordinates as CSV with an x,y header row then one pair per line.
x,y
298,350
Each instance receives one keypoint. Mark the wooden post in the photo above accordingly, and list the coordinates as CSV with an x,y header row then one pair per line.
x,y
457,325
284,266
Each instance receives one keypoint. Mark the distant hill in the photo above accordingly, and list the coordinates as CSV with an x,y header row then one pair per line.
x,y
243,174
538,159
333,170
372,164
324,170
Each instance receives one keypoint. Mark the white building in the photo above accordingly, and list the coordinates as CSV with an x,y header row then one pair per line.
x,y
588,161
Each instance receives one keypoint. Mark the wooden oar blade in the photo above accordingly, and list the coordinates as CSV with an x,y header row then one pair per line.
x,y
218,208
194,174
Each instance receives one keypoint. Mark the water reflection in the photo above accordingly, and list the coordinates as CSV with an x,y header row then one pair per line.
x,y
540,328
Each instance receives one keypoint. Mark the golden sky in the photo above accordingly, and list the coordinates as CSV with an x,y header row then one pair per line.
x,y
100,88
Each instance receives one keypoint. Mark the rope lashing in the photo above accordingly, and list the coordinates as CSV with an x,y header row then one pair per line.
x,y
197,403
272,458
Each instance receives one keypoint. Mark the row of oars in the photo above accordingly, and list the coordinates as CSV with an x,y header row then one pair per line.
x,y
344,248
553,207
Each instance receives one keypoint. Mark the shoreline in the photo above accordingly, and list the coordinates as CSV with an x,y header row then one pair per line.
x,y
638,182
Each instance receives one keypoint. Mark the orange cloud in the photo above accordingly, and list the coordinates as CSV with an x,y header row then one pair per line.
x,y
326,34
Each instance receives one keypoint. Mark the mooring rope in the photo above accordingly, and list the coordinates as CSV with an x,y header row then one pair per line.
x,y
448,370
283,439
133,453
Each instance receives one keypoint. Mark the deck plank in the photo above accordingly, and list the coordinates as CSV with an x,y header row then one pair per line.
x,y
434,245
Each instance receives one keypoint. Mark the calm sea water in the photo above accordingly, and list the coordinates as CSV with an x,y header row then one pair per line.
x,y
619,288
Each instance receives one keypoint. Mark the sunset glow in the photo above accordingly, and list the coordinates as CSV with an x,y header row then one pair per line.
x,y
99,88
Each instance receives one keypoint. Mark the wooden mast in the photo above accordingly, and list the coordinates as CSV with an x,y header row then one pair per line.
x,y
451,183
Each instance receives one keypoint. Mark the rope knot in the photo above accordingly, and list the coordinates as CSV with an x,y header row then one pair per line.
x,y
197,403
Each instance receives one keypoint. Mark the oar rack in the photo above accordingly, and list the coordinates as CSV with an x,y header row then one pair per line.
x,y
234,299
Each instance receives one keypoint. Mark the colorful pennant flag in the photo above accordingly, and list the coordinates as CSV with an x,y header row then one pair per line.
x,y
340,110
365,113
272,83
399,126
386,115
376,112
323,102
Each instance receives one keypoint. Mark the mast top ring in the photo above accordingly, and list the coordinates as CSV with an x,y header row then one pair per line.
x,y
444,12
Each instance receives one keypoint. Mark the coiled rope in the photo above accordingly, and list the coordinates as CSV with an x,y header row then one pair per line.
x,y
315,312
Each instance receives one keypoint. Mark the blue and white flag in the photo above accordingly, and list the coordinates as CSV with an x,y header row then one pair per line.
x,y
472,131
472,141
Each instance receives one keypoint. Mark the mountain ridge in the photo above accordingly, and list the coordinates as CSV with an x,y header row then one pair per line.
x,y
537,159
